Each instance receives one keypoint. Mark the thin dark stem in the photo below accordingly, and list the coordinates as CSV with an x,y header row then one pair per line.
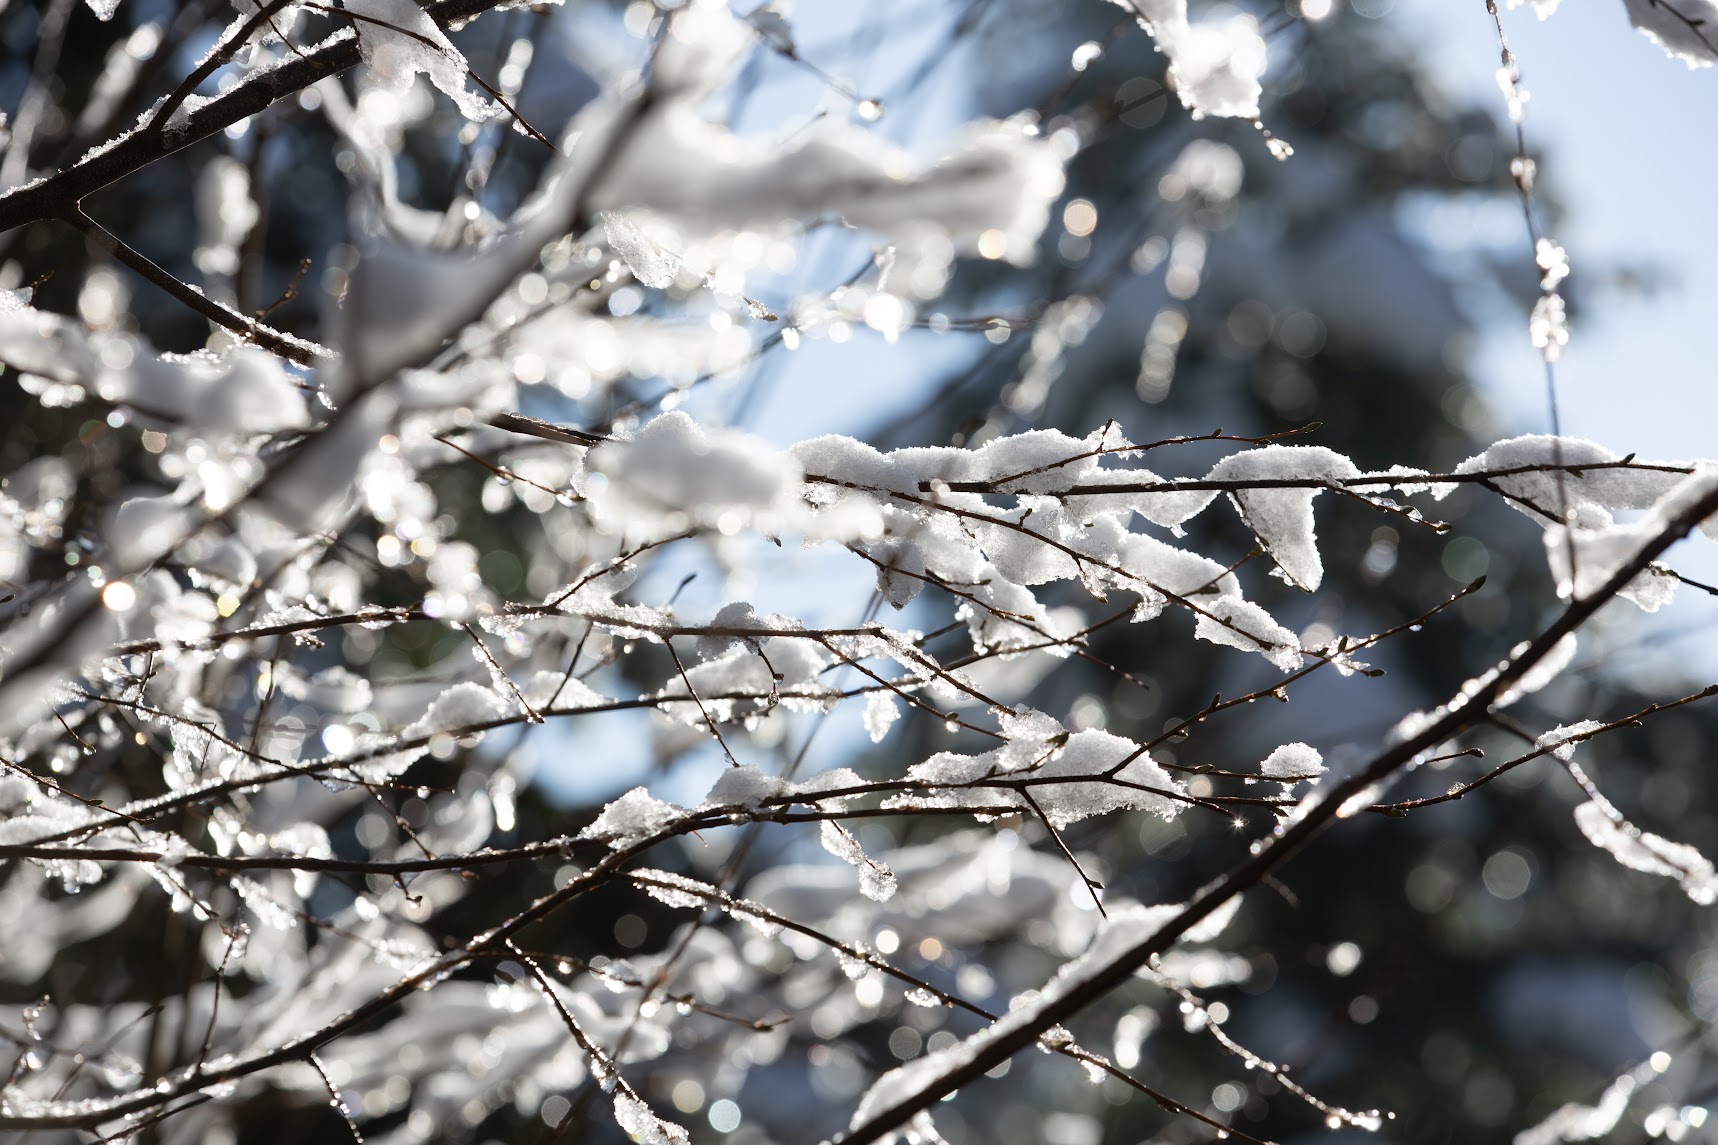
x,y
212,63
285,345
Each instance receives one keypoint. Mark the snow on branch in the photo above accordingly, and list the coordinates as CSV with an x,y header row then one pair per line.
x,y
414,687
1685,29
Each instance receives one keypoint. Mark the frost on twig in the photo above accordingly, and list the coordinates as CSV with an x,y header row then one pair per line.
x,y
1576,1122
1640,850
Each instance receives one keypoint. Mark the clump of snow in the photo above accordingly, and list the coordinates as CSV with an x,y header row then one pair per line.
x,y
1686,29
398,39
650,264
743,680
1214,64
900,569
881,712
835,779
1590,475
1282,518
464,705
989,194
732,621
1238,623
632,818
1599,547
1293,762
876,880
1571,487
144,528
1063,773
636,1118
743,787
673,475
245,390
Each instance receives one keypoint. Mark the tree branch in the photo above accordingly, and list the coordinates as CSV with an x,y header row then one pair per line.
x,y
287,346
58,194
1457,714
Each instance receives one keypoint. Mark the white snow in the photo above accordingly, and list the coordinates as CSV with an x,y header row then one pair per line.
x,y
673,475
145,528
743,787
1293,762
1238,623
632,818
1563,739
1609,487
649,263
881,712
1653,854
876,880
1214,64
1600,548
1062,772
244,390
1282,518
989,194
464,705
636,1118
391,37
1686,29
